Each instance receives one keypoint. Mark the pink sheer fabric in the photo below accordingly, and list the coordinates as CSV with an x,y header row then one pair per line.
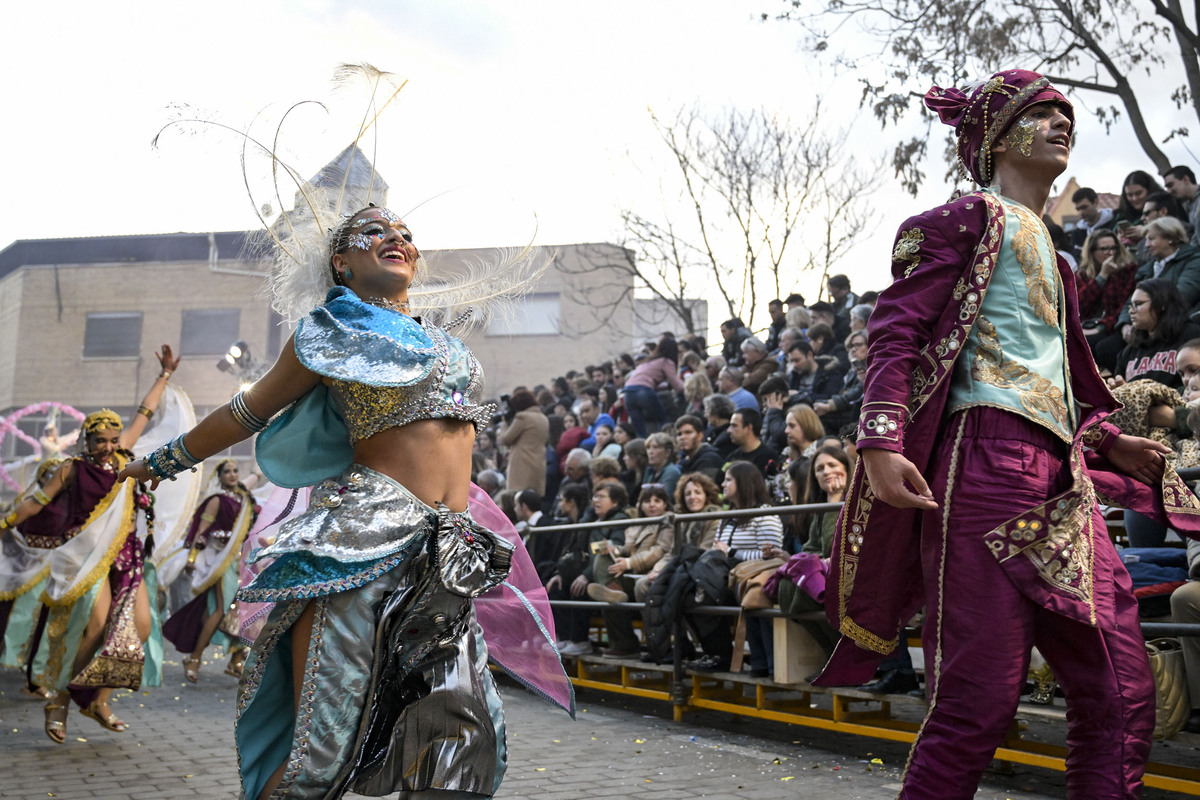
x,y
271,514
515,616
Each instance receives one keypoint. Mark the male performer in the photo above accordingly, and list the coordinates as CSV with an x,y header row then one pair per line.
x,y
980,397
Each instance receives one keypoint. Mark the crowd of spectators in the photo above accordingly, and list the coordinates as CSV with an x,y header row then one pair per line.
x,y
678,427
769,417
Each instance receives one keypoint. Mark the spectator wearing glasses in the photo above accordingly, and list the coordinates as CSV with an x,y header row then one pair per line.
x,y
1104,279
1160,328
843,407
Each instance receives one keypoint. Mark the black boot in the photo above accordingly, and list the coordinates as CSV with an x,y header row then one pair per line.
x,y
893,681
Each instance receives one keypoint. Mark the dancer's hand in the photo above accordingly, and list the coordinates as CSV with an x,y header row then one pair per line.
x,y
891,475
167,359
1139,458
137,470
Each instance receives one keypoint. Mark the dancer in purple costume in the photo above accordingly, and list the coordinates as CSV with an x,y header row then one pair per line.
x,y
976,498
214,545
99,610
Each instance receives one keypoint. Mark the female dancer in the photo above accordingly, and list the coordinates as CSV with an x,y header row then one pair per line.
x,y
370,674
100,615
214,542
23,573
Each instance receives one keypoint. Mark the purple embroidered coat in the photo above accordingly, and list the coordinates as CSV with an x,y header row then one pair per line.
x,y
941,265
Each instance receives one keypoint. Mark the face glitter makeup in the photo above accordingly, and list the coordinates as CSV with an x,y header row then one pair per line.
x,y
1020,136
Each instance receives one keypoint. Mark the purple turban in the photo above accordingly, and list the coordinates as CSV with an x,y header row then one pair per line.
x,y
982,118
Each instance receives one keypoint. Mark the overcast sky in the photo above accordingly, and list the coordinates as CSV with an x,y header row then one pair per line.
x,y
518,116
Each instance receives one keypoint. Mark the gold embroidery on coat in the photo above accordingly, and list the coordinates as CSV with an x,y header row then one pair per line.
x,y
1038,395
1056,538
908,249
1042,295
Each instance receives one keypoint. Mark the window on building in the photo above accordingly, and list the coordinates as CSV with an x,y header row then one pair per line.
x,y
116,334
208,331
536,314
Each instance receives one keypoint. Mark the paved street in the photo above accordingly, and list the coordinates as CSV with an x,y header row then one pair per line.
x,y
180,746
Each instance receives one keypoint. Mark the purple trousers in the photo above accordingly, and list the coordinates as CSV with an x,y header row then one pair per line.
x,y
980,625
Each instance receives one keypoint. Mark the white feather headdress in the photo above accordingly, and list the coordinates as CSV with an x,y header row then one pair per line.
x,y
298,242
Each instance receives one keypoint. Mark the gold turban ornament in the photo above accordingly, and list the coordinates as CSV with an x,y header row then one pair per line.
x,y
102,420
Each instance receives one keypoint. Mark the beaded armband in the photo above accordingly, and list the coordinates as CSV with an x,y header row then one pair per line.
x,y
40,497
244,416
148,413
170,460
882,423
208,517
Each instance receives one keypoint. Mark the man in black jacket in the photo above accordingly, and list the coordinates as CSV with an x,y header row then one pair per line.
x,y
695,454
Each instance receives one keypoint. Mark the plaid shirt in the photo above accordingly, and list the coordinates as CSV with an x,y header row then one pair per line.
x,y
1105,300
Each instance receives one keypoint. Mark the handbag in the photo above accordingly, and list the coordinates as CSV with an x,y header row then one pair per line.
x,y
749,578
1171,702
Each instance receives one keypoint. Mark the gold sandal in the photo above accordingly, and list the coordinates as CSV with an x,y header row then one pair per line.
x,y
191,669
236,663
37,692
109,721
56,724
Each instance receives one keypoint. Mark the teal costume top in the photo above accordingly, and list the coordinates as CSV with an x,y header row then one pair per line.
x,y
385,369
1014,357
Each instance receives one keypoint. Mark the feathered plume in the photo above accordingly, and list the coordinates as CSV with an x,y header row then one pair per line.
x,y
298,242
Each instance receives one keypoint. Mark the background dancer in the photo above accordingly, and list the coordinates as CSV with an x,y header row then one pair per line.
x,y
99,611
213,545
980,396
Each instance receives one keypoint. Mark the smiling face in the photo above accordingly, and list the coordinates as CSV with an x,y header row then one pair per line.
x,y
694,497
1136,195
831,475
102,444
379,254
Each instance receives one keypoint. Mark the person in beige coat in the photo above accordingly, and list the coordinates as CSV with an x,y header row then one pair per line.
x,y
623,564
525,432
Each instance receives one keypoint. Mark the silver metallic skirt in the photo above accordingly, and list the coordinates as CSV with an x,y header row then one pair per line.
x,y
396,693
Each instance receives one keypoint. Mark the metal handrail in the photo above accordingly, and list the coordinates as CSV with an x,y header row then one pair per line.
x,y
699,516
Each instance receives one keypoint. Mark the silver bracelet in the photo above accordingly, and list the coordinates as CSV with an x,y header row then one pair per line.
x,y
244,416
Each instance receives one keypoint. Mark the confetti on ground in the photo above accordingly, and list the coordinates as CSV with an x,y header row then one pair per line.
x,y
876,760
80,739
639,741
539,769
788,778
